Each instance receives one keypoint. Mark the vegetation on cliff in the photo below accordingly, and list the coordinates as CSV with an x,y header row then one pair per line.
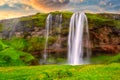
x,y
11,54
100,20
95,20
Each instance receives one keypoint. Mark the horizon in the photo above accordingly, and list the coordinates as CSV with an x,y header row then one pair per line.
x,y
55,11
17,8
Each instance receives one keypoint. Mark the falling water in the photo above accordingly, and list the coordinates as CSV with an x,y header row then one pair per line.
x,y
78,40
49,29
48,26
60,23
59,28
10,27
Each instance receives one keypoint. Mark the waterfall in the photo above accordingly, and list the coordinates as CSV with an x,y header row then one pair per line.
x,y
9,27
48,27
78,40
59,28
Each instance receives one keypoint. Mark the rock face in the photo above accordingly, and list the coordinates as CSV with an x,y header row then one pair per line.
x,y
104,34
105,39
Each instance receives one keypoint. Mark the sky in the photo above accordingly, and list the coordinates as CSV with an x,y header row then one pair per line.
x,y
18,8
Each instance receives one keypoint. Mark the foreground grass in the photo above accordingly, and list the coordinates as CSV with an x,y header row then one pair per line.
x,y
106,59
62,72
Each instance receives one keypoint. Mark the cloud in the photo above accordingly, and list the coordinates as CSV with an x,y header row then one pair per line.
x,y
27,8
90,8
78,0
48,5
102,3
5,14
40,5
11,3
17,8
55,5
2,2
9,14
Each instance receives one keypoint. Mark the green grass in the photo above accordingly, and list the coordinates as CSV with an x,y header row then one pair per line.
x,y
37,20
106,59
99,20
11,53
62,72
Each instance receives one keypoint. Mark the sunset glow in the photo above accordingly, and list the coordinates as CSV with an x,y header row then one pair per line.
x,y
16,8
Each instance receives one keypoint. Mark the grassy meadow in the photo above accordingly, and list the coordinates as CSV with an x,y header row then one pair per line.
x,y
62,72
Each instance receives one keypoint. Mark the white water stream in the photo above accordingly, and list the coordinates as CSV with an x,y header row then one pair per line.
x,y
78,40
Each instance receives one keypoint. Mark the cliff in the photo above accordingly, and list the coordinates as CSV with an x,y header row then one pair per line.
x,y
104,33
